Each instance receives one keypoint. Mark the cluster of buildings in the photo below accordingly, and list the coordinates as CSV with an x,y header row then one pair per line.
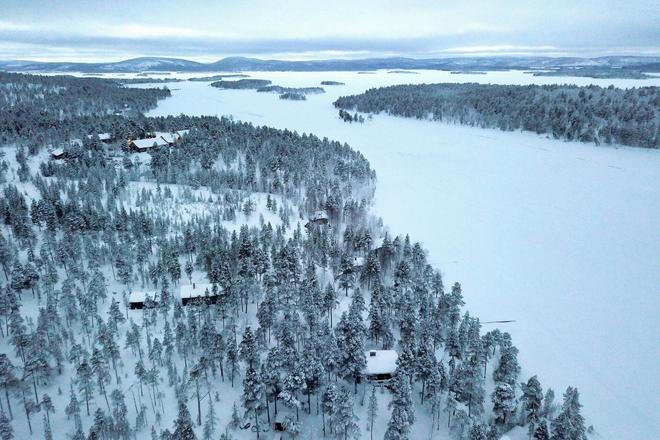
x,y
187,294
153,140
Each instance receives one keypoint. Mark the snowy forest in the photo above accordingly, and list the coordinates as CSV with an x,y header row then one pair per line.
x,y
299,299
41,109
587,114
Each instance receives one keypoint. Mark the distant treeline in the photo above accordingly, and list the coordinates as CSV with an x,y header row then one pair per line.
x,y
45,108
588,114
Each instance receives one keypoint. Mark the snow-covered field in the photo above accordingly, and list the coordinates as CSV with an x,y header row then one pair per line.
x,y
561,237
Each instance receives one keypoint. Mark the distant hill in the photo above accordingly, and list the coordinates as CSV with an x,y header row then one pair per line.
x,y
236,64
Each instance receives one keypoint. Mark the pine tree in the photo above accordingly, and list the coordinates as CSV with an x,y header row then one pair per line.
x,y
569,424
403,415
6,430
48,432
7,378
508,368
350,341
427,366
532,399
504,403
210,421
541,431
345,420
478,432
248,349
183,426
372,410
329,405
253,396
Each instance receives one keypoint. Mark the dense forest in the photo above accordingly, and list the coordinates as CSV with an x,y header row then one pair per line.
x,y
299,303
51,108
587,114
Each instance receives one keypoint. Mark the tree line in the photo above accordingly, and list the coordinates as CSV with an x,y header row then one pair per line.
x,y
588,114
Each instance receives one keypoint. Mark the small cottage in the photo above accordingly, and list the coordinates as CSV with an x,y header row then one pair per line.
x,y
381,365
198,292
137,300
159,139
57,153
319,218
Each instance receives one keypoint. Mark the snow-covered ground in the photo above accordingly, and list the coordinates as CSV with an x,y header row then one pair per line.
x,y
561,237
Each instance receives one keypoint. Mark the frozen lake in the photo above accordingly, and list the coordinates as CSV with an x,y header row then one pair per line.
x,y
563,238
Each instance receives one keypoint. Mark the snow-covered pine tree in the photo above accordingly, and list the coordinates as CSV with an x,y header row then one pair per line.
x,y
569,424
253,396
532,399
403,415
345,420
372,410
183,426
504,403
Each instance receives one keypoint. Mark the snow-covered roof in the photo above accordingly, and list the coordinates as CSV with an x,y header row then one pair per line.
x,y
141,297
57,152
149,143
196,290
358,261
381,361
102,136
320,215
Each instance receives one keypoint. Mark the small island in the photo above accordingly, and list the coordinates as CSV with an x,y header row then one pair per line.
x,y
218,77
332,83
241,84
293,96
406,72
299,90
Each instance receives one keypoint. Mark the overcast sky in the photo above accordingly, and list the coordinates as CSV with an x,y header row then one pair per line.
x,y
205,30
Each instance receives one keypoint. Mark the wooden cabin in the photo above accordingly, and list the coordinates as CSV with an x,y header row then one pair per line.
x,y
197,292
58,153
381,365
319,218
159,139
138,299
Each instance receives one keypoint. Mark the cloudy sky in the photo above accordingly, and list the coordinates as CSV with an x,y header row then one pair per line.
x,y
205,30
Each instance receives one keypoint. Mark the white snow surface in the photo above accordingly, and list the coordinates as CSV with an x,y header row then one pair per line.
x,y
561,237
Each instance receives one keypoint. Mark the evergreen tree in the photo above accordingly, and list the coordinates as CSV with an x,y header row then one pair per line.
x,y
210,422
253,396
403,415
569,424
541,431
183,426
372,410
504,403
345,420
6,430
532,399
